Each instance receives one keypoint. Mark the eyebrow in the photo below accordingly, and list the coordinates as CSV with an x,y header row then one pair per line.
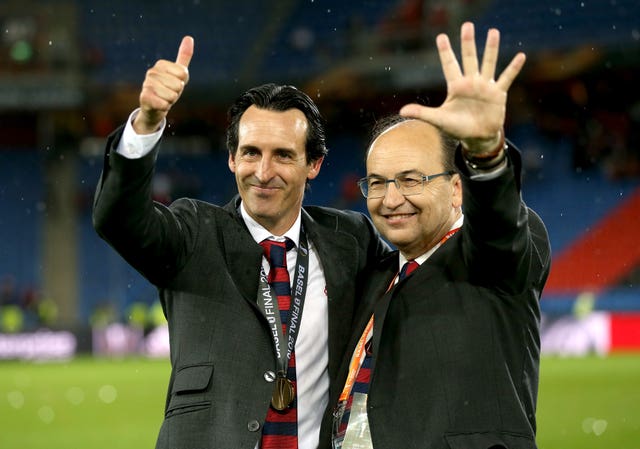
x,y
402,173
256,148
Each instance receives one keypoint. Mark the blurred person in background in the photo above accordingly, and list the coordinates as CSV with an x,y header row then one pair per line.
x,y
251,358
446,352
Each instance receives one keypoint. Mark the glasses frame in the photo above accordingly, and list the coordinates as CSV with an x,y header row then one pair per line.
x,y
364,182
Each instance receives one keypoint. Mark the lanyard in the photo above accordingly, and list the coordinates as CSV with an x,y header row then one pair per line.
x,y
358,354
268,303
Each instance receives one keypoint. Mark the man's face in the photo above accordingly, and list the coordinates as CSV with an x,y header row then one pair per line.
x,y
270,166
415,223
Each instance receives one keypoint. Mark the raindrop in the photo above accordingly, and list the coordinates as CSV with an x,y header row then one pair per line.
x,y
46,414
75,395
16,399
587,425
595,426
107,394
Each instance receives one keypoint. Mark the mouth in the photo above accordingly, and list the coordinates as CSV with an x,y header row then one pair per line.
x,y
264,189
398,218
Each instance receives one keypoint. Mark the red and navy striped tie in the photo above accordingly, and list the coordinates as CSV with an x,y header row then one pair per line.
x,y
407,269
280,429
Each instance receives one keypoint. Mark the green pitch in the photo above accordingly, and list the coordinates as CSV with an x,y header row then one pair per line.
x,y
584,403
86,403
589,403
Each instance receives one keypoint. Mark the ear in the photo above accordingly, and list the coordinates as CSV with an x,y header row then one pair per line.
x,y
314,168
456,199
232,162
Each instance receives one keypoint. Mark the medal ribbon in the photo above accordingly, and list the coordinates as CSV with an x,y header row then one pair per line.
x,y
267,301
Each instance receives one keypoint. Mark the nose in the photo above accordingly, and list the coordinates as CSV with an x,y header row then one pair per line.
x,y
392,197
264,169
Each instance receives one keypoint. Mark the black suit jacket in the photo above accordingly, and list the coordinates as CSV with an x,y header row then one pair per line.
x,y
456,344
206,266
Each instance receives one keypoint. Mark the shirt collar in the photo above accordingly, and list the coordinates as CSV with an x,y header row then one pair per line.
x,y
259,233
425,256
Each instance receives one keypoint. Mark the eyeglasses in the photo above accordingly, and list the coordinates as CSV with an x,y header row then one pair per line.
x,y
407,184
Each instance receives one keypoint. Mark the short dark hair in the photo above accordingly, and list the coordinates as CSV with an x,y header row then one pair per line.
x,y
448,143
280,98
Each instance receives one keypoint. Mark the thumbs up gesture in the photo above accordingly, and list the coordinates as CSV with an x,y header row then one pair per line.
x,y
162,86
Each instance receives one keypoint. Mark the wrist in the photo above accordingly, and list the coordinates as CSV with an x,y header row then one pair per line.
x,y
142,126
483,148
486,160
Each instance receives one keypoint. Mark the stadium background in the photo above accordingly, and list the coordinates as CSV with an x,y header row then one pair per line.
x,y
70,72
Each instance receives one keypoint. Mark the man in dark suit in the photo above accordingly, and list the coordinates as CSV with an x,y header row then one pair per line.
x,y
247,370
447,349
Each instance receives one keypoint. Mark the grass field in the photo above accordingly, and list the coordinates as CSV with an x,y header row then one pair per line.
x,y
584,403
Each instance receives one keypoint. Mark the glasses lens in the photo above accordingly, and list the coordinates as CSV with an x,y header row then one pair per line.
x,y
410,185
376,187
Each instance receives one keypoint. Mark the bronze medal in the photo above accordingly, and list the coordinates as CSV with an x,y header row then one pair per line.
x,y
283,393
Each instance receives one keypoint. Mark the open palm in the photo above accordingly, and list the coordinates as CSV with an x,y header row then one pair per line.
x,y
474,110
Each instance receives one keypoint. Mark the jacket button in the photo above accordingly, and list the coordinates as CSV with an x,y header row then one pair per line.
x,y
253,426
269,376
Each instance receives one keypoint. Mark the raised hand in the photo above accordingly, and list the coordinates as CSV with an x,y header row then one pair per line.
x,y
162,88
474,110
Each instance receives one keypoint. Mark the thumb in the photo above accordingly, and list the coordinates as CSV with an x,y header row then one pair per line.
x,y
417,111
185,52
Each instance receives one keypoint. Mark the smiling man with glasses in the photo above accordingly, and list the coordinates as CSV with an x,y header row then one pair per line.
x,y
445,352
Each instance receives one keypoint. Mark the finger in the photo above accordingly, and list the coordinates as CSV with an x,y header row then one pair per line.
x,y
468,47
490,56
165,92
165,70
185,52
417,111
513,69
448,60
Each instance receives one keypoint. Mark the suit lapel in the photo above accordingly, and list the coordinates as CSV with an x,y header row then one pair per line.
x,y
376,288
242,254
336,253
379,296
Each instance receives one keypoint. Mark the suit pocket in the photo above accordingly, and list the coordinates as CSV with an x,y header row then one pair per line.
x,y
489,440
189,392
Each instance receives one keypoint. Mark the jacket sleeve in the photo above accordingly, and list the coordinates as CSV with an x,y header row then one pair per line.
x,y
153,238
505,244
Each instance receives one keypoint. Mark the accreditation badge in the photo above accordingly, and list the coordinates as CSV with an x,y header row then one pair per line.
x,y
358,435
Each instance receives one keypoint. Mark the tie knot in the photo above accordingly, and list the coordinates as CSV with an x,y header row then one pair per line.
x,y
276,252
408,268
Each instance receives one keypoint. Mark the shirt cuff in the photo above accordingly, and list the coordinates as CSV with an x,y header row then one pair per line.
x,y
489,174
133,145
